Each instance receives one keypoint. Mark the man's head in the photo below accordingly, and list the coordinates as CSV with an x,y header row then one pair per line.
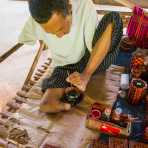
x,y
53,15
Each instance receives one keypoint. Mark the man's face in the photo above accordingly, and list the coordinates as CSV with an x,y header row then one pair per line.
x,y
58,24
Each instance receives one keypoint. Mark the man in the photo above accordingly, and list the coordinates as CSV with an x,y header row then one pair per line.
x,y
68,28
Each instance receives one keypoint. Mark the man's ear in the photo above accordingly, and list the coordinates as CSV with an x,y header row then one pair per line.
x,y
69,8
67,11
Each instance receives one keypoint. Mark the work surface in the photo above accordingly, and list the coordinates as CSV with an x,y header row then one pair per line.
x,y
63,130
66,129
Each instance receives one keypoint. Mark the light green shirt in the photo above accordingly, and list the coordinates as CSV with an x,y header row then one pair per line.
x,y
71,47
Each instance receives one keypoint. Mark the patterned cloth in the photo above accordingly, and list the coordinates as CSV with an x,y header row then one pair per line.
x,y
138,27
137,62
60,73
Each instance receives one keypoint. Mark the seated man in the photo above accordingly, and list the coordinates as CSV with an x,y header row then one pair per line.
x,y
78,46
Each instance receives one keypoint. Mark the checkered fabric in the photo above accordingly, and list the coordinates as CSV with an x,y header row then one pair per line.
x,y
137,62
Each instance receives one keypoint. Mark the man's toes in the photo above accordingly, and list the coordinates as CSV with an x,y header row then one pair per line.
x,y
54,108
66,106
62,107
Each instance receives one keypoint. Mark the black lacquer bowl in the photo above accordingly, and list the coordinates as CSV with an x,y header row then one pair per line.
x,y
73,97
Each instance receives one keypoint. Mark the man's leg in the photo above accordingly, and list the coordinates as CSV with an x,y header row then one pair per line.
x,y
51,101
117,32
105,49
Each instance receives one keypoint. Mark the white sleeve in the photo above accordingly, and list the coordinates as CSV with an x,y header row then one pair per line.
x,y
91,21
28,34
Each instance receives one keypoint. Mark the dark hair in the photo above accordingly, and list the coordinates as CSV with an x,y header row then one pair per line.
x,y
42,10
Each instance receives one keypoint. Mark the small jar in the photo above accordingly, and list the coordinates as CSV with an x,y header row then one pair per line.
x,y
116,114
106,114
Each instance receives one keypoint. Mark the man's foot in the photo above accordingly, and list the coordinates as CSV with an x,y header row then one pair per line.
x,y
51,101
54,107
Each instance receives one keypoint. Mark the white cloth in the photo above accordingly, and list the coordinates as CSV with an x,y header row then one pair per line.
x,y
71,47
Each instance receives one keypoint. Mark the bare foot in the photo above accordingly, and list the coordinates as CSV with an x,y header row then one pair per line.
x,y
54,107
